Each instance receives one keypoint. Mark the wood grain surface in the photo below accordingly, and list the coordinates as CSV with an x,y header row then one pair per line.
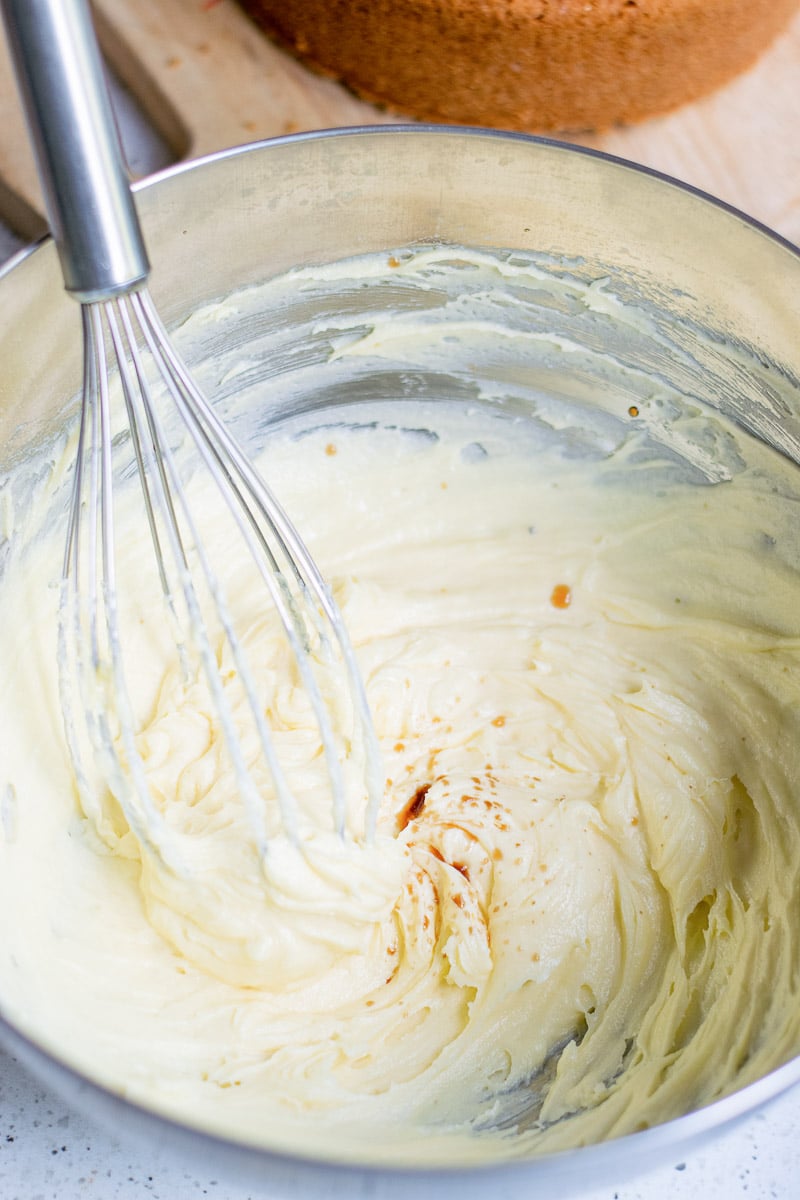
x,y
208,78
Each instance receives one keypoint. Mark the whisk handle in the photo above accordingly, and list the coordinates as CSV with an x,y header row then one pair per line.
x,y
74,134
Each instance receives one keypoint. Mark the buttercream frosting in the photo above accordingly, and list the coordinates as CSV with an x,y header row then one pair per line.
x,y
578,915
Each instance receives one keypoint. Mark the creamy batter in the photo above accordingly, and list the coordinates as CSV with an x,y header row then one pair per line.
x,y
579,914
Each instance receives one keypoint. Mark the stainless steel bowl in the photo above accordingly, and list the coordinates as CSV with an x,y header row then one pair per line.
x,y
721,298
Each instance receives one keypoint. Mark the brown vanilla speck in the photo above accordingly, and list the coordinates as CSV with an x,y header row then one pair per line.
x,y
561,596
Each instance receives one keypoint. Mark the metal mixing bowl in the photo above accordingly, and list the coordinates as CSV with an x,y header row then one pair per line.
x,y
720,293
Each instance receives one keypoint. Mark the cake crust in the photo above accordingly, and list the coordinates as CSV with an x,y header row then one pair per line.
x,y
530,65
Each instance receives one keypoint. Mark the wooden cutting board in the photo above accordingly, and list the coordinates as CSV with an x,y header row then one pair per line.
x,y
208,78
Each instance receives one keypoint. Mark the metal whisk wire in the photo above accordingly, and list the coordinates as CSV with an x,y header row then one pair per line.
x,y
105,267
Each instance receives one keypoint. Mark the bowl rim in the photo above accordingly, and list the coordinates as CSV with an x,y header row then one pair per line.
x,y
406,130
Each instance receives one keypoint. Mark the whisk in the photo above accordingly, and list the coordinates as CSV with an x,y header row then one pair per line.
x,y
128,354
